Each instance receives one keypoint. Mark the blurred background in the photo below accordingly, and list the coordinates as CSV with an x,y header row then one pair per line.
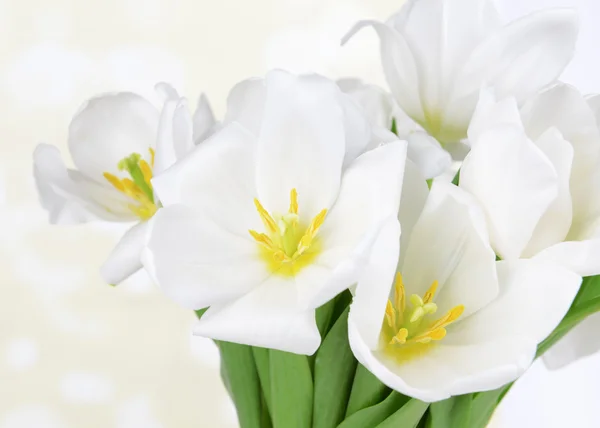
x,y
76,353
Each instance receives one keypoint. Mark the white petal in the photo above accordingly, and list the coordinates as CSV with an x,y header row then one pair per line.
x,y
376,103
491,113
107,129
125,259
428,154
71,198
373,288
203,120
579,343
399,66
198,263
217,177
556,221
369,197
442,34
515,183
564,108
412,202
534,297
449,244
523,57
269,316
580,257
357,128
174,134
448,370
246,104
301,143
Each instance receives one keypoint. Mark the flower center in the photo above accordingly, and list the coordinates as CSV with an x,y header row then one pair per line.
x,y
288,246
407,332
138,187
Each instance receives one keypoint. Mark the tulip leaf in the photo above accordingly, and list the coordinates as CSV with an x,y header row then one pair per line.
x,y
440,413
261,359
372,416
408,416
484,404
461,411
291,390
367,391
241,379
334,371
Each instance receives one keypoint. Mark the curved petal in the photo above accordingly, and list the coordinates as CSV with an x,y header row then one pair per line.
x,y
125,259
579,257
428,154
268,316
357,128
217,178
534,297
198,263
376,103
246,104
203,120
554,225
375,283
441,35
521,58
301,143
579,343
491,113
399,66
71,198
448,370
369,196
412,202
174,138
514,182
449,244
109,128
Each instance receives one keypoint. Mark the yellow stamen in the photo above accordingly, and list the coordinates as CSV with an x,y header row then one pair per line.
x,y
146,170
400,297
265,217
400,337
287,247
430,294
115,181
390,314
293,201
151,150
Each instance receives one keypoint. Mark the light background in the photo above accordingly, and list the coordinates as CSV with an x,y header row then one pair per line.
x,y
76,353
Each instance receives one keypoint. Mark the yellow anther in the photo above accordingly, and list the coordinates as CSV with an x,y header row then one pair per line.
x,y
262,239
399,295
151,150
115,181
451,316
430,294
437,334
400,337
266,217
293,201
146,170
311,231
390,314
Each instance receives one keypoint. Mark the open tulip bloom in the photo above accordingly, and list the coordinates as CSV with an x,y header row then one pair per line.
x,y
314,230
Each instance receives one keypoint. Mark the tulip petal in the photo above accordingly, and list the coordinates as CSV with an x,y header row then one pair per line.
x,y
399,66
514,182
369,196
412,202
577,256
246,104
197,262
449,244
268,316
109,128
217,178
428,154
579,343
203,120
125,259
301,144
70,197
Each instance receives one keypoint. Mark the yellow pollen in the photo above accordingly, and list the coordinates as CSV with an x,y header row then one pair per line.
x,y
410,332
138,188
286,246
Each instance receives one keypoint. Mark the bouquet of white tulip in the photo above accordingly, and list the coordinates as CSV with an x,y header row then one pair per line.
x,y
346,278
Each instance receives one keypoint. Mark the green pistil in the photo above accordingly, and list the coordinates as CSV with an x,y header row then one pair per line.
x,y
131,164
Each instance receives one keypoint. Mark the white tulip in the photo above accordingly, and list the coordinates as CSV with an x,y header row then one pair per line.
x,y
383,113
445,318
438,54
540,186
275,213
114,146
